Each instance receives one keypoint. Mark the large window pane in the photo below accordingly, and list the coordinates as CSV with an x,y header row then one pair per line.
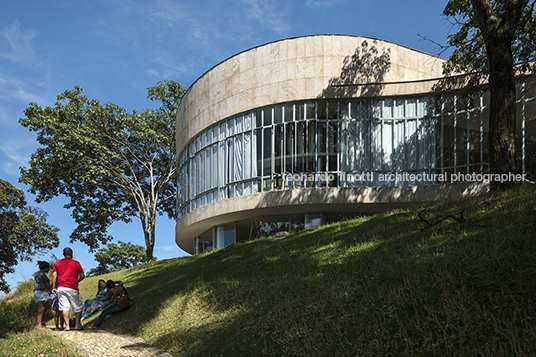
x,y
258,145
289,113
278,114
412,145
333,139
387,110
321,138
222,164
238,158
411,108
377,150
247,121
208,168
248,155
399,108
215,161
333,110
225,235
387,144
321,111
344,109
289,146
267,155
300,111
310,110
239,124
267,120
232,158
231,127
399,154
278,148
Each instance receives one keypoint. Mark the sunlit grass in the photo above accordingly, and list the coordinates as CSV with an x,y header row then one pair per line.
x,y
35,342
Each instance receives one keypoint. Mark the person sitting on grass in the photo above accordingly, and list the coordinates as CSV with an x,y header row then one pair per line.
x,y
122,301
42,290
92,305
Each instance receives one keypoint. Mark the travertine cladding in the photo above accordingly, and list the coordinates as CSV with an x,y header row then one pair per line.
x,y
301,69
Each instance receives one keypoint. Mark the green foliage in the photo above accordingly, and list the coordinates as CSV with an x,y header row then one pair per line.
x,y
372,286
112,165
470,54
17,311
23,231
116,257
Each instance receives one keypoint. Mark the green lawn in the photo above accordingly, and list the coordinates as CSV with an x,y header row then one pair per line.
x,y
373,286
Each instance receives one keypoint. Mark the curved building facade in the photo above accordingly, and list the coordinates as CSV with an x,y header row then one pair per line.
x,y
303,131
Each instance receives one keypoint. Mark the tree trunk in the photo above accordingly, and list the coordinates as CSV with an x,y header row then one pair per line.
x,y
149,243
502,120
498,31
148,225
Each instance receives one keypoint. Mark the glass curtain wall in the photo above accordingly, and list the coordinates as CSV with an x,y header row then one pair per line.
x,y
335,143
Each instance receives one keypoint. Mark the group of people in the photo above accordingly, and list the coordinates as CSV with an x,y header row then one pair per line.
x,y
111,296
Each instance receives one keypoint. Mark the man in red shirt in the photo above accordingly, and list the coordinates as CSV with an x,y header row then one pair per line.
x,y
66,275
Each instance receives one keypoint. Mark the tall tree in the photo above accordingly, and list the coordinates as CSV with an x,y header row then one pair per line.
x,y
112,165
23,231
495,40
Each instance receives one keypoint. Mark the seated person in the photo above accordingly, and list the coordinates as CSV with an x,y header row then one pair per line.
x,y
117,293
92,305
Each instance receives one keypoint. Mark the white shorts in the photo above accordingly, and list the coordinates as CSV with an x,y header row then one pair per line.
x,y
40,295
68,297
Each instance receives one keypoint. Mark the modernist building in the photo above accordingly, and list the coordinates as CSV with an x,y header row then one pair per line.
x,y
299,132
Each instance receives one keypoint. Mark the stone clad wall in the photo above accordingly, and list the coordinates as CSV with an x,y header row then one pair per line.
x,y
299,69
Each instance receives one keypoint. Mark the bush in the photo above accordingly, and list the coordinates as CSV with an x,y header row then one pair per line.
x,y
17,311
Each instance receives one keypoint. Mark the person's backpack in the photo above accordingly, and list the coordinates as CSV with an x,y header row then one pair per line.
x,y
121,298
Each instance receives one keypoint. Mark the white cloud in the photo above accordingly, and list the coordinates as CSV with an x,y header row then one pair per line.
x,y
18,89
166,65
17,150
323,3
266,14
167,14
16,44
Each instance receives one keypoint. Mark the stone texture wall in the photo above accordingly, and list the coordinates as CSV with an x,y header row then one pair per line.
x,y
322,66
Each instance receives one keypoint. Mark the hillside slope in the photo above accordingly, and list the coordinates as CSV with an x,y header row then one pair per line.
x,y
371,286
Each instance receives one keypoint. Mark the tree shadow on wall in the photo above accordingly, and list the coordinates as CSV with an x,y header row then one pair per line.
x,y
362,73
464,85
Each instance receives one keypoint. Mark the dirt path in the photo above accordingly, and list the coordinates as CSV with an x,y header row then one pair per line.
x,y
106,343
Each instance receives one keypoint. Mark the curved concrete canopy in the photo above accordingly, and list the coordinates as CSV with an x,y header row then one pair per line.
x,y
366,200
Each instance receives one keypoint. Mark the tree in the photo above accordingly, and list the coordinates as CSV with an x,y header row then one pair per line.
x,y
23,231
112,165
116,257
495,40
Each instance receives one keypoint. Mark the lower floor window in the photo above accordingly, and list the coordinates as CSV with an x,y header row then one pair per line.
x,y
263,226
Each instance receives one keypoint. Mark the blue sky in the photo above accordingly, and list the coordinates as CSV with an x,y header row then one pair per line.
x,y
116,49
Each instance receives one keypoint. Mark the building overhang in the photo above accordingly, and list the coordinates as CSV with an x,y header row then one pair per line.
x,y
365,200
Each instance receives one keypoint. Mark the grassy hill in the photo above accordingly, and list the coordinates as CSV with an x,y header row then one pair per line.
x,y
371,286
